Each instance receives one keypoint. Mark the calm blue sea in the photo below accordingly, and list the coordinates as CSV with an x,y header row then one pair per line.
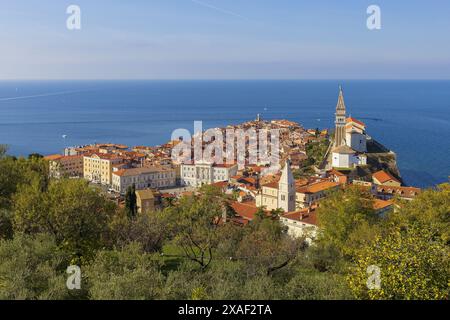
x,y
410,117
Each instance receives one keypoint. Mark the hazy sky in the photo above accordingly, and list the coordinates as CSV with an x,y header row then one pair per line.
x,y
224,39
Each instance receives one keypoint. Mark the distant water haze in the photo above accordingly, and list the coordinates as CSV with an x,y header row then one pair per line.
x,y
410,117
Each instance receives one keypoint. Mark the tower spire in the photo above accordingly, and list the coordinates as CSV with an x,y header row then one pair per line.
x,y
340,104
339,135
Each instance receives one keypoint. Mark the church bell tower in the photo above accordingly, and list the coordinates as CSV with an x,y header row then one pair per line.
x,y
286,189
339,134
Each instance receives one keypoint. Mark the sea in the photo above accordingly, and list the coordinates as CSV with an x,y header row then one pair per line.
x,y
412,118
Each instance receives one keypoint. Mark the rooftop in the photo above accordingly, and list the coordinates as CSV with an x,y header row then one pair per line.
x,y
383,176
317,187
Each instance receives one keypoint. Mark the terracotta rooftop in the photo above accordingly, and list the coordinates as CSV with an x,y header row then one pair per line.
x,y
381,204
317,187
408,192
350,119
303,216
246,210
53,157
273,185
383,176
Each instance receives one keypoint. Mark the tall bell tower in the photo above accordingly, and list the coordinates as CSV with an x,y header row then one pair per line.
x,y
339,133
286,189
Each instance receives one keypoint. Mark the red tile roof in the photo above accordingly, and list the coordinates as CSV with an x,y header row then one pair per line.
x,y
246,210
317,187
383,176
303,216
350,119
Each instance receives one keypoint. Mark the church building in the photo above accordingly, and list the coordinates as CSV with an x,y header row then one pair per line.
x,y
281,194
350,140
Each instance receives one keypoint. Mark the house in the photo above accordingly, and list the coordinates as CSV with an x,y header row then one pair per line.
x,y
338,176
302,223
147,200
245,210
381,207
98,167
405,193
309,194
65,166
142,178
202,173
385,179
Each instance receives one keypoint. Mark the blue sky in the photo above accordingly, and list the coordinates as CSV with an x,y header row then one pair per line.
x,y
224,39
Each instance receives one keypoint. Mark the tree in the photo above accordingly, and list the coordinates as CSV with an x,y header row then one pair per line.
x,y
130,201
199,219
32,267
150,229
347,220
74,213
267,248
413,264
35,156
126,274
430,208
3,150
14,173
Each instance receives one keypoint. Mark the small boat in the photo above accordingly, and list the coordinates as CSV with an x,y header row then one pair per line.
x,y
64,136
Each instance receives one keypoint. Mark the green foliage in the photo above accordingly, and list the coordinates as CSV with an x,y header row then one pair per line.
x,y
316,151
313,285
32,267
130,201
347,220
185,252
127,274
15,173
151,230
3,150
430,208
76,215
413,263
198,220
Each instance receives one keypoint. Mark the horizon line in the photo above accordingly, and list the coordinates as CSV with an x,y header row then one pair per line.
x,y
226,79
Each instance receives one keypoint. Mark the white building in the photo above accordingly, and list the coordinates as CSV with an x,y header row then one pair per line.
x,y
301,224
346,157
143,178
199,174
286,189
355,135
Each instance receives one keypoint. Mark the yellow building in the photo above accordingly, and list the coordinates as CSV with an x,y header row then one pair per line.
x,y
145,201
386,179
98,167
268,197
306,195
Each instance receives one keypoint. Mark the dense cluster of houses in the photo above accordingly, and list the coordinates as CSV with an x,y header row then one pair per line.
x,y
155,175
